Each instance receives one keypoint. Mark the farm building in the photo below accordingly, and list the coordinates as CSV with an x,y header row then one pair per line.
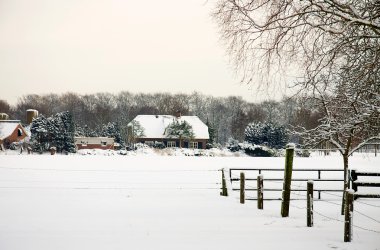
x,y
153,128
11,131
94,142
370,146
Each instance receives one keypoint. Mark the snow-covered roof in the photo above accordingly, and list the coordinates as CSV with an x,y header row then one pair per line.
x,y
7,128
155,125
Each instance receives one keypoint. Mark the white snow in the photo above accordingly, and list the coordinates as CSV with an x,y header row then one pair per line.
x,y
155,125
161,202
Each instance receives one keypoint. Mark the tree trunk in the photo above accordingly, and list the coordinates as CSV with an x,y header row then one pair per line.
x,y
346,180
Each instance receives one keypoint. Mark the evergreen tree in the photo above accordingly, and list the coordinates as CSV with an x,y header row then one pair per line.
x,y
85,131
269,134
211,132
39,134
57,130
112,130
68,132
181,130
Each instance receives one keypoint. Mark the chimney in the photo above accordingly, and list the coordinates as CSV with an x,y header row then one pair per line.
x,y
178,114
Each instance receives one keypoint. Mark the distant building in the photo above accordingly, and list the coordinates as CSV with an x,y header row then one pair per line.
x,y
11,131
154,130
94,143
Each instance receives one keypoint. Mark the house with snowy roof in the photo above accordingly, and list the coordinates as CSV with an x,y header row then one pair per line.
x,y
150,129
11,131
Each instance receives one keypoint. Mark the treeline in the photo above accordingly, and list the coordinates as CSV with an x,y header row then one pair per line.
x,y
229,116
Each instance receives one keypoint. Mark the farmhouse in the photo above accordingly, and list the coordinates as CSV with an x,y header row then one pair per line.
x,y
153,128
94,142
11,131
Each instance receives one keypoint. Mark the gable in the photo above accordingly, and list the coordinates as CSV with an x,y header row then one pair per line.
x,y
7,129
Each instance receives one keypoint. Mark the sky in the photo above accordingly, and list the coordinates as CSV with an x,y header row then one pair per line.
x,y
89,46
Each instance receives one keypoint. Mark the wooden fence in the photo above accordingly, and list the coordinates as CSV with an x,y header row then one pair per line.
x,y
305,175
362,183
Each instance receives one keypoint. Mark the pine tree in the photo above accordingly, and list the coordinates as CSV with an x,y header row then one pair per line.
x,y
112,130
181,130
268,134
57,130
68,132
39,134
211,132
85,131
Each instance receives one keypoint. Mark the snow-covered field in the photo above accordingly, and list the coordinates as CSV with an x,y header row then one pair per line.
x,y
162,202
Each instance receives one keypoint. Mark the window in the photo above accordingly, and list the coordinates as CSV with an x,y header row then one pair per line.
x,y
19,132
171,144
103,143
149,143
193,144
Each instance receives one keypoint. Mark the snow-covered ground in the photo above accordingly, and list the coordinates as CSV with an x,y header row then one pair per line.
x,y
164,202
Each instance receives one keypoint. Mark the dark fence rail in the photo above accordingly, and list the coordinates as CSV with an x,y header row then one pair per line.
x,y
356,184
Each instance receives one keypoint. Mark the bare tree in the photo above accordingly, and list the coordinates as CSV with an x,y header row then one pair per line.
x,y
4,107
335,45
266,35
351,107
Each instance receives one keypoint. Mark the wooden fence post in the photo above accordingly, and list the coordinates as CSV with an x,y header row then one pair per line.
x,y
310,191
348,213
260,195
224,186
287,180
242,188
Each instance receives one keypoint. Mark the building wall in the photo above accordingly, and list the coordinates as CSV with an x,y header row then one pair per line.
x,y
201,142
95,146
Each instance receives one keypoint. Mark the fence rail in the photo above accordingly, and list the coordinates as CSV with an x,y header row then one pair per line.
x,y
235,178
356,184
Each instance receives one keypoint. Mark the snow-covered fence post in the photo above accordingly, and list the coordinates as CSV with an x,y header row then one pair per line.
x,y
287,180
242,188
348,213
310,191
260,195
224,186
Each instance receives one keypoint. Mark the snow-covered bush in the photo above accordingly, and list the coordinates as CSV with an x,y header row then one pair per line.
x,y
233,145
256,150
302,152
251,149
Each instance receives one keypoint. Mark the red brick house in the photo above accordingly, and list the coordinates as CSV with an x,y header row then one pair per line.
x,y
11,131
153,129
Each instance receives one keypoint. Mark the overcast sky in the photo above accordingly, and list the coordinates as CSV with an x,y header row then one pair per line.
x,y
89,46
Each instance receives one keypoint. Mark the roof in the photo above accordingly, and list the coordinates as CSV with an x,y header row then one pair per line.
x,y
7,127
155,125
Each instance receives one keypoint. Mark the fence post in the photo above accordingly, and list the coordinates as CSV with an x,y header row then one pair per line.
x,y
310,191
260,195
224,186
242,188
287,180
348,213
353,178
